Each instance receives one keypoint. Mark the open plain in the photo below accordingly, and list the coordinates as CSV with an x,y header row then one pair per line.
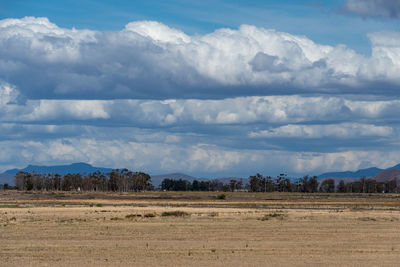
x,y
195,228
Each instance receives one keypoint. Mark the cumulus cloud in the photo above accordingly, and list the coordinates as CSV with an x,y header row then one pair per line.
x,y
148,59
8,94
373,8
264,62
343,130
293,123
269,110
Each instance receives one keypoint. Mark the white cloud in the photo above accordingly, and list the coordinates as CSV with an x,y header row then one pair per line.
x,y
158,32
67,109
277,110
343,130
8,94
148,59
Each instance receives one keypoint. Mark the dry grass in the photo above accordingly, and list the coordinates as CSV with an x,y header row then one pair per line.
x,y
246,229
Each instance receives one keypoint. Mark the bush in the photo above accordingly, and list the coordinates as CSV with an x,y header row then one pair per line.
x,y
176,213
276,215
222,196
99,205
130,216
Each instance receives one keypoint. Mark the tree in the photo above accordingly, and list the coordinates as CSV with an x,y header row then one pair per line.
x,y
141,181
204,186
391,186
269,184
341,188
304,184
371,186
232,184
195,185
113,180
256,182
28,182
327,186
216,185
363,184
309,185
20,180
313,184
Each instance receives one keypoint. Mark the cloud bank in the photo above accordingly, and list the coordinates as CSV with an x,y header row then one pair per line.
x,y
148,60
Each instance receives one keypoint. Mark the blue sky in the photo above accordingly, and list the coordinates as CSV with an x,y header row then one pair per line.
x,y
210,88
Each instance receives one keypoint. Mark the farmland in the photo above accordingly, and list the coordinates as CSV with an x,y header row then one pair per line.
x,y
198,228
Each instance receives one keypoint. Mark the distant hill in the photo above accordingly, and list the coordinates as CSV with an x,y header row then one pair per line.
x,y
397,167
74,168
6,178
370,172
380,175
388,175
82,168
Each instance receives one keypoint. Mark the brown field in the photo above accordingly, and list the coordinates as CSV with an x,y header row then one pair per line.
x,y
245,229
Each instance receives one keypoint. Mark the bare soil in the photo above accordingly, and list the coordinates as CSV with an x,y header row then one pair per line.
x,y
198,229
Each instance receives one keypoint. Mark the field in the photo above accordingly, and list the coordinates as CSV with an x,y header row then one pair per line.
x,y
200,229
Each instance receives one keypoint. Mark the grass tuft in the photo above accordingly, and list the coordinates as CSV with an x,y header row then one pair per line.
x,y
176,213
272,215
130,216
10,206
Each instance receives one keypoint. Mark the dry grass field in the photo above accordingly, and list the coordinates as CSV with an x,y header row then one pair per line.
x,y
198,229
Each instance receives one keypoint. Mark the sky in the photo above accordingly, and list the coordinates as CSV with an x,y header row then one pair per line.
x,y
207,88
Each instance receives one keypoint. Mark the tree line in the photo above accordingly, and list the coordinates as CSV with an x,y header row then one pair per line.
x,y
306,184
115,181
213,185
259,183
127,181
364,185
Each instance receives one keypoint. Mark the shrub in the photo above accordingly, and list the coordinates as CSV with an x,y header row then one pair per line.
x,y
129,216
276,215
176,213
99,205
222,196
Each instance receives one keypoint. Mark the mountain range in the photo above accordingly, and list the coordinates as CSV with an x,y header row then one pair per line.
x,y
368,173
